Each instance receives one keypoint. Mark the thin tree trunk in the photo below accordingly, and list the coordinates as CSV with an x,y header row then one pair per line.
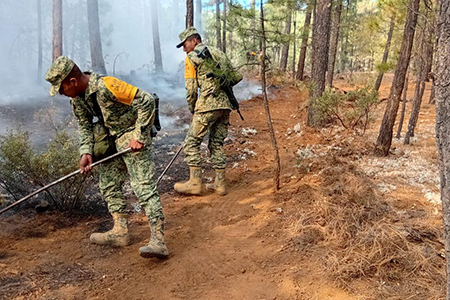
x,y
334,38
442,83
285,51
305,36
224,30
230,36
421,76
39,29
98,64
386,53
189,13
432,99
57,29
385,135
276,176
402,115
156,40
295,46
218,35
198,15
321,29
253,24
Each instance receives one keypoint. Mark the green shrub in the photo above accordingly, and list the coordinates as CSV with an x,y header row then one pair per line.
x,y
353,110
24,170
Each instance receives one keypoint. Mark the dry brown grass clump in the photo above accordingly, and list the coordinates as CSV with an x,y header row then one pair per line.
x,y
361,236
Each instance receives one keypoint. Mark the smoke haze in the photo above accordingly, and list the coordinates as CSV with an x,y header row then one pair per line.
x,y
127,42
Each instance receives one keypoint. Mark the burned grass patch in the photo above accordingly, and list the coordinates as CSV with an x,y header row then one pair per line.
x,y
14,286
56,275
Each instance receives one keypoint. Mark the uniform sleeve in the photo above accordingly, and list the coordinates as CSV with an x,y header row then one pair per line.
x,y
191,83
85,127
145,106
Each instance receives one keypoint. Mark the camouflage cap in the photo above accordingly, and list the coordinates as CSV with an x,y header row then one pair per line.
x,y
57,72
185,34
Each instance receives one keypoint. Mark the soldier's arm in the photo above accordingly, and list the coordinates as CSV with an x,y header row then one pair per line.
x,y
145,104
86,135
191,83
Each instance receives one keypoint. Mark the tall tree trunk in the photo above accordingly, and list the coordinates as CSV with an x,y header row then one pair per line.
x,y
303,47
385,135
39,29
402,114
432,99
285,51
442,83
295,46
421,77
224,30
57,29
189,13
230,36
253,24
218,35
198,15
98,64
276,175
156,40
334,38
321,29
386,53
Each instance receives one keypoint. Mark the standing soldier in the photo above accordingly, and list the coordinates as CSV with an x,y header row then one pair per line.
x,y
210,108
125,117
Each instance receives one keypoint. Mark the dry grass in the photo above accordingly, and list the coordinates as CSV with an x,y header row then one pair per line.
x,y
361,236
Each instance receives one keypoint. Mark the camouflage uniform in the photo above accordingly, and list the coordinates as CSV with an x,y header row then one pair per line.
x,y
211,109
128,116
125,122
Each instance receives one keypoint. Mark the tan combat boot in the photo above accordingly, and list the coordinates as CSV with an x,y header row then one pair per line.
x,y
118,236
194,185
219,184
156,247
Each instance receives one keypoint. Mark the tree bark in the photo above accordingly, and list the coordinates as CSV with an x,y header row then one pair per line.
x,y
230,37
320,40
294,46
303,47
98,64
276,175
57,29
421,77
224,30
253,24
442,83
39,29
334,38
402,115
218,35
189,13
198,15
285,51
156,40
385,135
386,53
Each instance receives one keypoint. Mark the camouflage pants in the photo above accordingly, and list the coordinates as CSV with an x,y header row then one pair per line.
x,y
216,122
141,168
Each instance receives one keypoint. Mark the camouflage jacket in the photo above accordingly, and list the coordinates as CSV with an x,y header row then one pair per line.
x,y
211,96
119,116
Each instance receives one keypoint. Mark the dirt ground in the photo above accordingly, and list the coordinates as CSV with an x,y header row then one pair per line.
x,y
248,244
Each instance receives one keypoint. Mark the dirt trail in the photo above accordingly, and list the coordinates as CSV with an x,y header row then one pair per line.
x,y
231,247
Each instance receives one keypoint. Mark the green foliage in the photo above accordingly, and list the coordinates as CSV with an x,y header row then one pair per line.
x,y
23,170
384,67
352,110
